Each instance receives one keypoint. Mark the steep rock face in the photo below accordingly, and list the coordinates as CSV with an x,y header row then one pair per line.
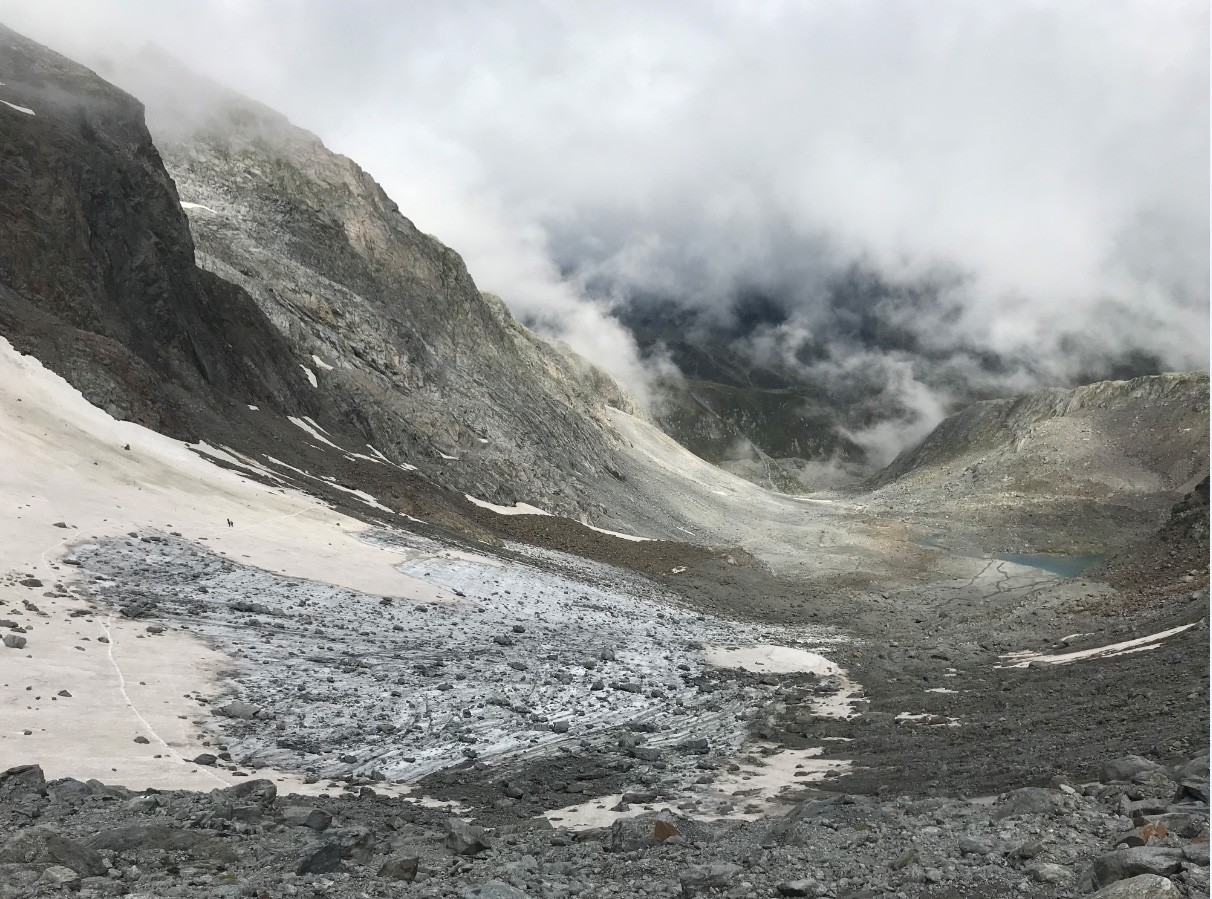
x,y
97,274
403,346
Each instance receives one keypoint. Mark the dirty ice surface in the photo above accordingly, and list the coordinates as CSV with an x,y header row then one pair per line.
x,y
514,661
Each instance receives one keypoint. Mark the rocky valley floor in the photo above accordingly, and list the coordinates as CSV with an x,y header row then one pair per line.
x,y
245,680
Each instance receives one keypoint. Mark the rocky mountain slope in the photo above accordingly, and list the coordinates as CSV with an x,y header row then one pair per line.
x,y
307,294
1101,463
96,260
386,319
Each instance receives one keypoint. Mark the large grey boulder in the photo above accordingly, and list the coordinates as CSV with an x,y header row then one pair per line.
x,y
645,831
1127,768
306,816
1142,886
322,859
465,839
1124,863
1030,801
710,878
45,845
22,790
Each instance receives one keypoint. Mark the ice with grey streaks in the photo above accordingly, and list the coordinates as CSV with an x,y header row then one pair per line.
x,y
520,661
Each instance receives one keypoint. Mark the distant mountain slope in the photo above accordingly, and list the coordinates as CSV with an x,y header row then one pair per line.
x,y
1116,452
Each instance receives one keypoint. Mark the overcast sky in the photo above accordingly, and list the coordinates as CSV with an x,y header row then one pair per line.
x,y
1054,154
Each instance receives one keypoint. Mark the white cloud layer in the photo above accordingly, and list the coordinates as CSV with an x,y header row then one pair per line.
x,y
1054,153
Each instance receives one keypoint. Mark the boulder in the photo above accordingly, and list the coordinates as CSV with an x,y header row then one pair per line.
x,y
1030,801
45,845
399,867
1142,886
465,839
1127,768
1124,863
644,831
710,878
306,816
322,859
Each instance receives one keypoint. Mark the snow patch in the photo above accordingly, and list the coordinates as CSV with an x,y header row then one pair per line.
x,y
1140,644
515,509
632,537
311,375
320,363
403,466
361,495
765,775
928,719
767,658
24,109
185,205
313,429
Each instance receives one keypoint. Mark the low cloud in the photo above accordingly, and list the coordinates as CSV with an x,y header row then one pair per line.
x,y
1032,179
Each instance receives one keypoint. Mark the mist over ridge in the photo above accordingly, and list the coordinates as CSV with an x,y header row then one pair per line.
x,y
920,209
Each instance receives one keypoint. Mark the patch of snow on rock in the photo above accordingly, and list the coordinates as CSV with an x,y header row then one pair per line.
x,y
515,509
1140,644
